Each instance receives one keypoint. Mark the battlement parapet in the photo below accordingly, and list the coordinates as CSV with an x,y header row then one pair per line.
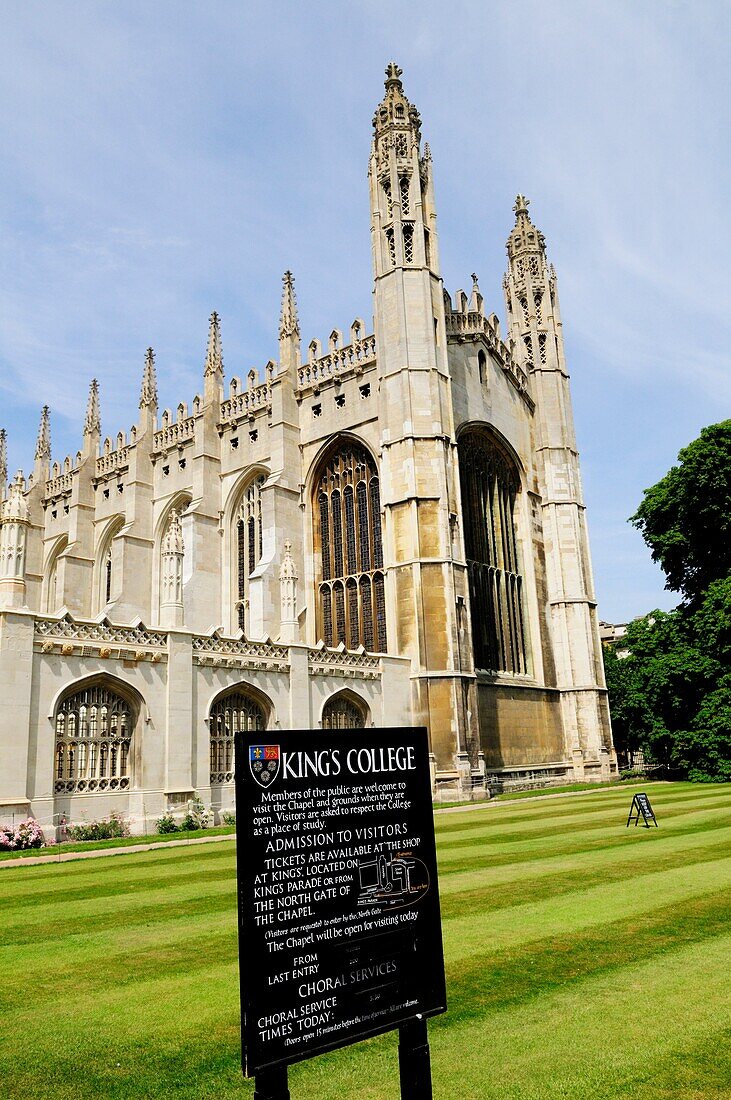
x,y
173,434
60,484
247,403
351,359
113,461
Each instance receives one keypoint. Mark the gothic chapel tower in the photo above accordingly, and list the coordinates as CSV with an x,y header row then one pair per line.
x,y
424,559
535,328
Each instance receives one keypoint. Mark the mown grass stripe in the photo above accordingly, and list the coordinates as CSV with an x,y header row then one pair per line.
x,y
554,947
593,906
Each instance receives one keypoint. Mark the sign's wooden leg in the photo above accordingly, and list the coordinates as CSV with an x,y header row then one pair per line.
x,y
271,1084
414,1062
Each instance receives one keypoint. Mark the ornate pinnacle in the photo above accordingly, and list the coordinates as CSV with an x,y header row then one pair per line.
x,y
92,421
288,321
3,461
288,570
393,73
173,540
476,297
148,393
43,445
214,356
521,206
15,507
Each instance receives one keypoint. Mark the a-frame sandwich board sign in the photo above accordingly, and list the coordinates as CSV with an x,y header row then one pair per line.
x,y
641,808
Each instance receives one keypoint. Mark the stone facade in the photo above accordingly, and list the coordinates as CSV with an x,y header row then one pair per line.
x,y
391,531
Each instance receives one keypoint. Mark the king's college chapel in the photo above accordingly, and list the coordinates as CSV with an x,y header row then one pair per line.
x,y
387,529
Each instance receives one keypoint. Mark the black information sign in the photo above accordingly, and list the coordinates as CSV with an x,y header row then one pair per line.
x,y
641,808
339,927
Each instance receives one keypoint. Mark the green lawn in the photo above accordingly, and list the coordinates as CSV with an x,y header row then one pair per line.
x,y
584,960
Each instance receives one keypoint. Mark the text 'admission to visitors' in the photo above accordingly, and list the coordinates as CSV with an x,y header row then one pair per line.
x,y
339,928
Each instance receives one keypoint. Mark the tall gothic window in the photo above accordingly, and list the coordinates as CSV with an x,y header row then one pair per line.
x,y
347,518
249,545
232,713
94,729
342,712
490,484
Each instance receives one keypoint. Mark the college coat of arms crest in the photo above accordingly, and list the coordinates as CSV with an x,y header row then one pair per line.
x,y
264,763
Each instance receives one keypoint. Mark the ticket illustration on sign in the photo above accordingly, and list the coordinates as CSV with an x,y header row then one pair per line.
x,y
392,883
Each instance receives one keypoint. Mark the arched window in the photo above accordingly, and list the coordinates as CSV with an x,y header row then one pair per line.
x,y
348,543
230,714
490,483
482,366
342,712
108,564
53,594
94,730
249,545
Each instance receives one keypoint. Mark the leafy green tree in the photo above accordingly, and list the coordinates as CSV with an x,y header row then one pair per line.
x,y
669,677
686,518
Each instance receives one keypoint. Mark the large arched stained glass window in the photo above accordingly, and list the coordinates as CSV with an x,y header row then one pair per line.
x,y
94,729
249,545
490,483
231,713
348,543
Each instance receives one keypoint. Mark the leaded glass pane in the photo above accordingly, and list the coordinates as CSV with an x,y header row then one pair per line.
x,y
93,764
348,531
232,713
490,484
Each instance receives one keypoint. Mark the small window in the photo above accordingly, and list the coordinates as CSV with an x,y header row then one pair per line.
x,y
482,366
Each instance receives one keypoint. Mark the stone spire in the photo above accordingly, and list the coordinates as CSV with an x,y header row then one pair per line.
x,y
394,113
3,463
288,321
43,444
524,237
92,421
290,350
214,356
148,392
403,210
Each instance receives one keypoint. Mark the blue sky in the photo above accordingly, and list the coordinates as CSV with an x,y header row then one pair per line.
x,y
164,159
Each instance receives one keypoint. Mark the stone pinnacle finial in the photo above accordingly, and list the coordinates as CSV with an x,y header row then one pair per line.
x,y
43,444
3,461
214,355
148,392
173,540
521,206
393,74
475,297
15,508
288,569
92,421
288,321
